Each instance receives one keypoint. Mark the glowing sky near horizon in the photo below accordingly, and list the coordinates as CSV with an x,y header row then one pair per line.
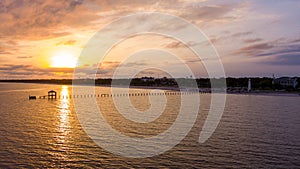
x,y
43,39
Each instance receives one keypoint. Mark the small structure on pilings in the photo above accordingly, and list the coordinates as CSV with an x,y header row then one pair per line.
x,y
52,94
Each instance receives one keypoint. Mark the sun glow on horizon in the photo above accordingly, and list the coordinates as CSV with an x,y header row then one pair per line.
x,y
63,59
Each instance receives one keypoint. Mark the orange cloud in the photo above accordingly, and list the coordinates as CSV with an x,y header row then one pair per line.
x,y
69,42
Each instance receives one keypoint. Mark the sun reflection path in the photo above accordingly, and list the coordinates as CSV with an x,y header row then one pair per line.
x,y
64,111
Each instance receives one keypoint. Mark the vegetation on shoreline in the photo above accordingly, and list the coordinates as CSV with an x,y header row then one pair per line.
x,y
257,83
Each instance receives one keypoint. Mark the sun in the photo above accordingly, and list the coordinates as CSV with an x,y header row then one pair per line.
x,y
63,59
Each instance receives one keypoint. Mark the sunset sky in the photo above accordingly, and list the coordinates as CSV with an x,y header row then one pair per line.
x,y
44,38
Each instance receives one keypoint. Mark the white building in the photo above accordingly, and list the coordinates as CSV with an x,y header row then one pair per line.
x,y
249,85
286,82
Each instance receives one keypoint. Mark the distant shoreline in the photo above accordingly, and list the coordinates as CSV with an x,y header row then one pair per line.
x,y
201,90
271,93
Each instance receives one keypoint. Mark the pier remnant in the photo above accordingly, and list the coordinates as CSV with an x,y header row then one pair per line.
x,y
52,95
32,97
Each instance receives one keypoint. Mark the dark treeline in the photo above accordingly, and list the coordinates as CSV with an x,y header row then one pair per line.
x,y
42,81
257,83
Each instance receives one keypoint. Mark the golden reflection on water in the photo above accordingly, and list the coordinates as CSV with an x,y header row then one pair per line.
x,y
64,111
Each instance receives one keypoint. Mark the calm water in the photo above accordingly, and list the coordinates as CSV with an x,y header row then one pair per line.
x,y
254,132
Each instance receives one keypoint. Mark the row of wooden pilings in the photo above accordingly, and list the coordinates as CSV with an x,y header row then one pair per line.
x,y
122,95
